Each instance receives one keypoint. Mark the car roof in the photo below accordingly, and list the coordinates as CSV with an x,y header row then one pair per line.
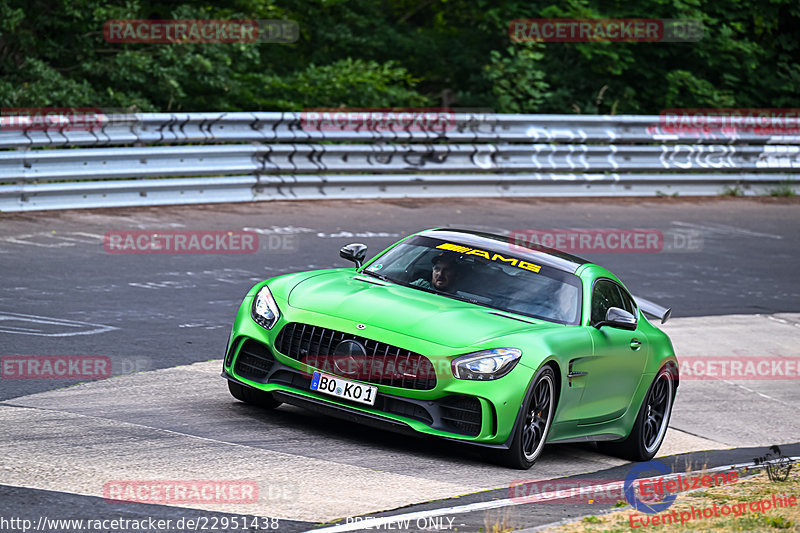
x,y
501,244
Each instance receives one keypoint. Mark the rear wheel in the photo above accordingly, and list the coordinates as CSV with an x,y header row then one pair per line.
x,y
530,435
651,424
252,396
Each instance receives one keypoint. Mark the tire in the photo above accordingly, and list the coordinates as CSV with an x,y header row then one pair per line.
x,y
651,423
531,433
252,396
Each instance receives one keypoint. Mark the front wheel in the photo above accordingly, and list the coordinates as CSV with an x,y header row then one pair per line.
x,y
530,435
252,396
651,423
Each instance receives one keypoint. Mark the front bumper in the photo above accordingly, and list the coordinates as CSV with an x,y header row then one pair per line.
x,y
255,365
469,411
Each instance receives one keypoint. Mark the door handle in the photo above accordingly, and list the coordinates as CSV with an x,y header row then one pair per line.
x,y
635,344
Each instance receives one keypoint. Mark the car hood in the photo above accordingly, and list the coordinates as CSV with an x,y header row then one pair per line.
x,y
405,310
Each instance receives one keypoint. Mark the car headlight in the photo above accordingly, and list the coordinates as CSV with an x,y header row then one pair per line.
x,y
265,311
486,364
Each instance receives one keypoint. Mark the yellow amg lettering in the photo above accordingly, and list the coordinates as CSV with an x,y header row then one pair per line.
x,y
529,266
482,253
512,260
454,247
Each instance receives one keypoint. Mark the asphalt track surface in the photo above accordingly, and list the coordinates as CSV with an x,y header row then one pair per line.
x,y
728,270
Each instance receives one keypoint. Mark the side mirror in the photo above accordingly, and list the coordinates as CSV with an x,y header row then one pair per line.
x,y
355,252
618,318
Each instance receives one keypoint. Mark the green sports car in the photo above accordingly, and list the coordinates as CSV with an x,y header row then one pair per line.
x,y
467,336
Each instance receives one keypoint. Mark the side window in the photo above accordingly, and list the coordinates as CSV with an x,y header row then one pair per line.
x,y
605,294
630,305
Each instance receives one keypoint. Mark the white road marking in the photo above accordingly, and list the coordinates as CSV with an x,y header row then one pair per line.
x,y
279,230
79,236
49,321
67,239
782,321
759,393
224,275
724,229
165,285
19,240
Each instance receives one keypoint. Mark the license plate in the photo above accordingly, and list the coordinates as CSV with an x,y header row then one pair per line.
x,y
343,388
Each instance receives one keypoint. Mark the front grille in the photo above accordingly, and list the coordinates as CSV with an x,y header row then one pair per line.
x,y
461,414
254,361
381,363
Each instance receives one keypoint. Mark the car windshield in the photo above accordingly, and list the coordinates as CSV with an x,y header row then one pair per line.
x,y
503,281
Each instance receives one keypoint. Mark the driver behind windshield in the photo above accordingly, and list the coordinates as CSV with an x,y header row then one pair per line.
x,y
443,275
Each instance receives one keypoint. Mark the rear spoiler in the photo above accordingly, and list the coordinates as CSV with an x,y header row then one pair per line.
x,y
653,309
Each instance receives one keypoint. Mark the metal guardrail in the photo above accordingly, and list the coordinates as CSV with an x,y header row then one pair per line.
x,y
208,128
162,158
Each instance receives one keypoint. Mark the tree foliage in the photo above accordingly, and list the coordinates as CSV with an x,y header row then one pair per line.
x,y
379,53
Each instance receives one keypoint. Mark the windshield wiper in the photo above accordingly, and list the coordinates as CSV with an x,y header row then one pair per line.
x,y
448,295
462,298
379,276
